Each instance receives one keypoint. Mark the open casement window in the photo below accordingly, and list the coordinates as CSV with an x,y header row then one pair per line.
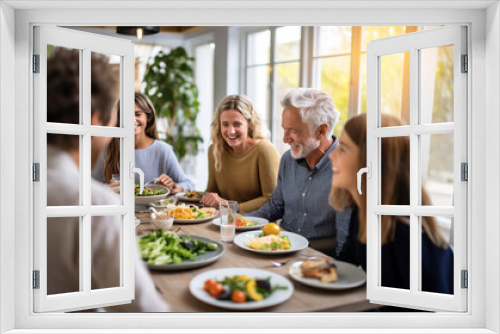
x,y
433,114
81,212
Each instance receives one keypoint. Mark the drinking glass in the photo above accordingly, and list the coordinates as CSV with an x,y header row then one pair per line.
x,y
115,180
228,216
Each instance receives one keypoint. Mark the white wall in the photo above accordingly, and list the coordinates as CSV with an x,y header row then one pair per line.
x,y
7,158
306,16
492,152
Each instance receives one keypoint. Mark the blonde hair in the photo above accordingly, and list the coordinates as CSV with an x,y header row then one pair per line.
x,y
244,106
395,155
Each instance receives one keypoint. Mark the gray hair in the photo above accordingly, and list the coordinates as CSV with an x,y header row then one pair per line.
x,y
316,107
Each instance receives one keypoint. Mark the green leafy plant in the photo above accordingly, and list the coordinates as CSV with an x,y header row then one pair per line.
x,y
170,86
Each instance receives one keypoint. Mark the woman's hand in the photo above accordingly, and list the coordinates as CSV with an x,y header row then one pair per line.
x,y
212,199
167,181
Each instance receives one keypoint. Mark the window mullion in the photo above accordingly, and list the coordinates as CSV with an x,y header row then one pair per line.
x,y
415,186
354,87
306,56
85,173
272,85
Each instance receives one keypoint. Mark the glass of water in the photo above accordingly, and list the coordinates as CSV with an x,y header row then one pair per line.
x,y
227,216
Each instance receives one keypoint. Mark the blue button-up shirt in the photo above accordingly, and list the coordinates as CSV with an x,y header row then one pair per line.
x,y
301,198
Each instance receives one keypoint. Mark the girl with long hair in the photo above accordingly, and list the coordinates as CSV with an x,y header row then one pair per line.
x,y
347,159
153,156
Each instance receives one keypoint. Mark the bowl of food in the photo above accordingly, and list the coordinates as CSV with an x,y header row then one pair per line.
x,y
161,220
151,193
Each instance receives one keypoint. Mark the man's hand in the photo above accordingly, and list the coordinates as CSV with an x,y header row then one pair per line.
x,y
212,199
167,181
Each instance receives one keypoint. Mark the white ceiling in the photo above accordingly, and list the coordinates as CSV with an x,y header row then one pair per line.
x,y
248,4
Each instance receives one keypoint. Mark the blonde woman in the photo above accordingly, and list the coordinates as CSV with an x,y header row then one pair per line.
x,y
243,164
437,256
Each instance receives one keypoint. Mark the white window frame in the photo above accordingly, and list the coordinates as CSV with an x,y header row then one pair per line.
x,y
86,43
414,43
483,101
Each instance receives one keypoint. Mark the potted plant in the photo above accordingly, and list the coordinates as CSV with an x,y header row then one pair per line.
x,y
169,83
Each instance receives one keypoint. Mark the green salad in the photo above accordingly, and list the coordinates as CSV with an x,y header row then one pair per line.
x,y
162,247
148,191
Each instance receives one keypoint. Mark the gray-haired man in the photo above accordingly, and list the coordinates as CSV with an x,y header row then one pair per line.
x,y
305,173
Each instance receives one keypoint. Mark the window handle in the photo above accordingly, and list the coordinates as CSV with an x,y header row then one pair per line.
x,y
139,171
368,171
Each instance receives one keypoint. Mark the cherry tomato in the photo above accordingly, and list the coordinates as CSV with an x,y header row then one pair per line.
x,y
208,284
215,290
238,296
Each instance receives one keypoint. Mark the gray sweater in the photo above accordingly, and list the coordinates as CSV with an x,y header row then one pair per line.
x,y
154,160
159,158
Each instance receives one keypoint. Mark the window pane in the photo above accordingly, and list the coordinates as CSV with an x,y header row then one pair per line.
x,y
99,62
333,76
106,168
106,248
371,33
63,255
436,90
258,87
63,85
396,185
287,76
288,43
332,40
259,48
63,175
363,106
437,255
394,91
437,168
395,241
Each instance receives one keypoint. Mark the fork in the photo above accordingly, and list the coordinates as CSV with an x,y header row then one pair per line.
x,y
282,263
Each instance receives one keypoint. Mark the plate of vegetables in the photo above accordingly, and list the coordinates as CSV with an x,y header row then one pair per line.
x,y
191,196
271,240
246,223
167,250
241,289
150,194
190,214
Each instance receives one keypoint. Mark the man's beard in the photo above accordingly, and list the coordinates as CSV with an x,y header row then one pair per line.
x,y
305,149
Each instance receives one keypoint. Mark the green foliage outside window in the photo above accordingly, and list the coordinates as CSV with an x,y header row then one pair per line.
x,y
170,86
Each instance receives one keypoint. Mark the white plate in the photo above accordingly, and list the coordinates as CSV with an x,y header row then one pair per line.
x,y
195,221
277,297
349,276
180,197
297,242
261,222
145,200
200,260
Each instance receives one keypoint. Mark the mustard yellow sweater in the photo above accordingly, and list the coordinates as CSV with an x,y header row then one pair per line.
x,y
248,178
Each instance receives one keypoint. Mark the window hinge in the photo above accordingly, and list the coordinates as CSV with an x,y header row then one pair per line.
x,y
36,279
36,172
465,64
465,279
36,63
464,171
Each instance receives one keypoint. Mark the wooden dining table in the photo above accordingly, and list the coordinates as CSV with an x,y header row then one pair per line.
x,y
174,285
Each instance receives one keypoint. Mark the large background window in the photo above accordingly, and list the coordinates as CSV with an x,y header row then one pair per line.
x,y
331,58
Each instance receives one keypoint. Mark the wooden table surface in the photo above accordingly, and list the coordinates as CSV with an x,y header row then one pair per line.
x,y
174,286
